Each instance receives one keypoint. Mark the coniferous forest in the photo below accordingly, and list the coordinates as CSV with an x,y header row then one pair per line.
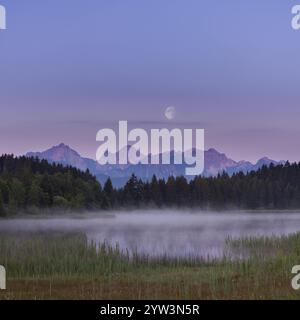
x,y
30,185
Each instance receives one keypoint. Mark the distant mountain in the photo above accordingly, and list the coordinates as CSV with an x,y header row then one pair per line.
x,y
66,156
215,162
62,154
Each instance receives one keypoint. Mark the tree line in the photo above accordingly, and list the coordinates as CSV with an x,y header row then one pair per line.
x,y
273,187
28,184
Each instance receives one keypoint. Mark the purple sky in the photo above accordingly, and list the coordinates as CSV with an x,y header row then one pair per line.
x,y
69,68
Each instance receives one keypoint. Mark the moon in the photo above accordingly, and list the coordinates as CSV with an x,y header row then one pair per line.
x,y
170,113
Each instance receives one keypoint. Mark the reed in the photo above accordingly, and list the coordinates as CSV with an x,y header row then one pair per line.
x,y
68,266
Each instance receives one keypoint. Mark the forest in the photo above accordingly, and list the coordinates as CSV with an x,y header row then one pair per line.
x,y
29,185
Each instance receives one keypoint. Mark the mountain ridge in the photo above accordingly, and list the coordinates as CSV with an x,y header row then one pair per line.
x,y
215,163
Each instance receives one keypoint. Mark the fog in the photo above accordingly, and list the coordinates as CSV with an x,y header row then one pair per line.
x,y
172,233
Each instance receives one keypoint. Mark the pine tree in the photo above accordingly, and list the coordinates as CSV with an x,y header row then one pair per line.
x,y
2,210
156,196
109,193
34,195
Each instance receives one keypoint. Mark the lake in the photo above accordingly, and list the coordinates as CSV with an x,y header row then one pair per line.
x,y
156,233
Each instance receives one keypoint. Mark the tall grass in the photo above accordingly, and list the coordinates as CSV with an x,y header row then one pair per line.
x,y
76,268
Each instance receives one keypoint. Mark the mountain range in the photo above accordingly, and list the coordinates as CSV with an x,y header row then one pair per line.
x,y
215,162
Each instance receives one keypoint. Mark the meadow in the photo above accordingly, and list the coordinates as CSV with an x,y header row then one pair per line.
x,y
69,266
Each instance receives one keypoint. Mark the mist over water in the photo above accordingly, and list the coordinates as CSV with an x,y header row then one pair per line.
x,y
171,233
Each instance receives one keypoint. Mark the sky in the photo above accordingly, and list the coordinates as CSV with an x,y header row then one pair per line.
x,y
69,68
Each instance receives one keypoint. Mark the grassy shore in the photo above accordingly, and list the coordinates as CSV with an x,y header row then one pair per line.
x,y
66,266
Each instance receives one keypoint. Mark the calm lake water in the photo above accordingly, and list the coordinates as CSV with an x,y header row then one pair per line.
x,y
174,233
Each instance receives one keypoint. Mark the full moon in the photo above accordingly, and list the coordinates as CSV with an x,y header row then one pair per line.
x,y
170,113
